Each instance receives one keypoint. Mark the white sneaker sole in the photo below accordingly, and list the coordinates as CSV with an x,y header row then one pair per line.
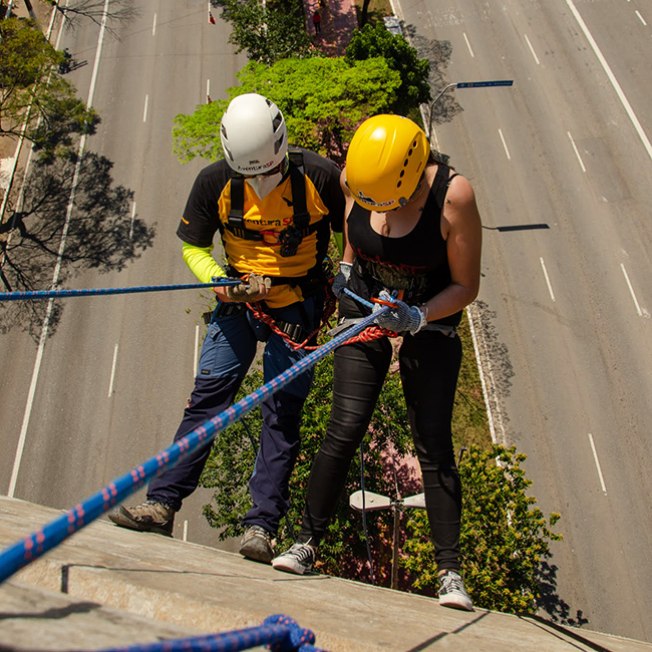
x,y
456,602
288,567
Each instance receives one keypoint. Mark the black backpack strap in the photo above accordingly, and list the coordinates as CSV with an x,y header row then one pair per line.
x,y
235,220
298,183
440,184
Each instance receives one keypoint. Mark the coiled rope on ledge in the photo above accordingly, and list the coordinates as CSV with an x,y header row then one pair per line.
x,y
281,633
38,543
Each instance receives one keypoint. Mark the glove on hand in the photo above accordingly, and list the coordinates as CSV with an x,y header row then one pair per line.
x,y
341,278
401,318
244,292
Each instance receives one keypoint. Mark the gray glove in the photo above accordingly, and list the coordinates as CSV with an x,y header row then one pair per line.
x,y
341,278
401,318
243,292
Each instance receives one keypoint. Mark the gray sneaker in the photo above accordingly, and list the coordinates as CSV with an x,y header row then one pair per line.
x,y
298,559
257,544
452,592
149,516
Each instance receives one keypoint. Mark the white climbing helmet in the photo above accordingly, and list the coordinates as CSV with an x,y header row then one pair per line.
x,y
254,135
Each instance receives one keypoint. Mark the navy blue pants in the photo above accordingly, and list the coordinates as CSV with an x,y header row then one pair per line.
x,y
227,353
429,367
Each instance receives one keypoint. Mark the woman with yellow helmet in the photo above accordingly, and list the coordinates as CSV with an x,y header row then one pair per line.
x,y
414,238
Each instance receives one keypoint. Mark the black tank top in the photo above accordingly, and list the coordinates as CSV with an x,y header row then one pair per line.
x,y
416,263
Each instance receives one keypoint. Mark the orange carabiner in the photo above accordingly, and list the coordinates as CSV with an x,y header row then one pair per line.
x,y
382,302
391,304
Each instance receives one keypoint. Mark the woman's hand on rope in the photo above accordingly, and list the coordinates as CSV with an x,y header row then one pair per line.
x,y
254,289
401,316
341,278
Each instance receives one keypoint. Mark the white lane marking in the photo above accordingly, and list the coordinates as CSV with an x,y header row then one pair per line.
x,y
577,153
113,366
488,392
631,291
534,54
502,138
131,223
545,273
57,270
468,45
619,91
597,465
154,26
195,361
145,109
637,12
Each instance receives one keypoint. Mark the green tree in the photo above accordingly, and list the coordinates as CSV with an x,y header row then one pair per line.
x,y
32,92
376,41
343,552
323,101
268,31
505,538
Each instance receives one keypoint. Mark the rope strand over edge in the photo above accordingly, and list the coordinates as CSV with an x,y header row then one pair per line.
x,y
20,554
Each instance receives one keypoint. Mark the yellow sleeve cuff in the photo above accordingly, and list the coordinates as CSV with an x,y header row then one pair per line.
x,y
201,263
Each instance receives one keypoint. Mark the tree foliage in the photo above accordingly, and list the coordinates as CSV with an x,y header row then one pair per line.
x,y
32,92
505,538
373,41
323,101
343,552
268,31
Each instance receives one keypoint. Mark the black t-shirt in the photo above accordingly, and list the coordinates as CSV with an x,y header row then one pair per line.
x,y
416,263
209,204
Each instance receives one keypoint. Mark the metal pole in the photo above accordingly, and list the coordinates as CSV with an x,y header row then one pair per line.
x,y
432,105
460,84
397,517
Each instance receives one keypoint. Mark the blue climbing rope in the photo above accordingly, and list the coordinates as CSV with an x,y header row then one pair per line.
x,y
38,543
280,632
57,294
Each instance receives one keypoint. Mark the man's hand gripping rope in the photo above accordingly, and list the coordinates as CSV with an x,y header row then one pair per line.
x,y
251,289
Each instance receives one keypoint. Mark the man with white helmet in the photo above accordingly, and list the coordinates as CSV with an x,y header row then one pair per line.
x,y
274,209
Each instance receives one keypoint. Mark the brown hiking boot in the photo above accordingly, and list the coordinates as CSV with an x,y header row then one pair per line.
x,y
149,516
257,544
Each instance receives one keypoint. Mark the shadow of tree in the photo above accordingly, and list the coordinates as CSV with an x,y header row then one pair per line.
x,y
438,53
555,607
100,234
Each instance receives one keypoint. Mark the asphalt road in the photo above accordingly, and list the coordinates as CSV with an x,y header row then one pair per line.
x,y
563,176
110,385
562,166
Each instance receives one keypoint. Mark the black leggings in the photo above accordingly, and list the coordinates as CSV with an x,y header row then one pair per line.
x,y
429,367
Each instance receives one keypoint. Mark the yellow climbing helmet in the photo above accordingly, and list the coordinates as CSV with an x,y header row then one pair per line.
x,y
385,161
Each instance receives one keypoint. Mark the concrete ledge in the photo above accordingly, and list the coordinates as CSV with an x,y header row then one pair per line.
x,y
35,619
192,588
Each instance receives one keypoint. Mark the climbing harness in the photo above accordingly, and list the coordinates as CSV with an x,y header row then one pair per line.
x,y
291,236
373,332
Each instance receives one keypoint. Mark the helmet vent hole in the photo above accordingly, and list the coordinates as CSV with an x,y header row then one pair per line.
x,y
279,144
